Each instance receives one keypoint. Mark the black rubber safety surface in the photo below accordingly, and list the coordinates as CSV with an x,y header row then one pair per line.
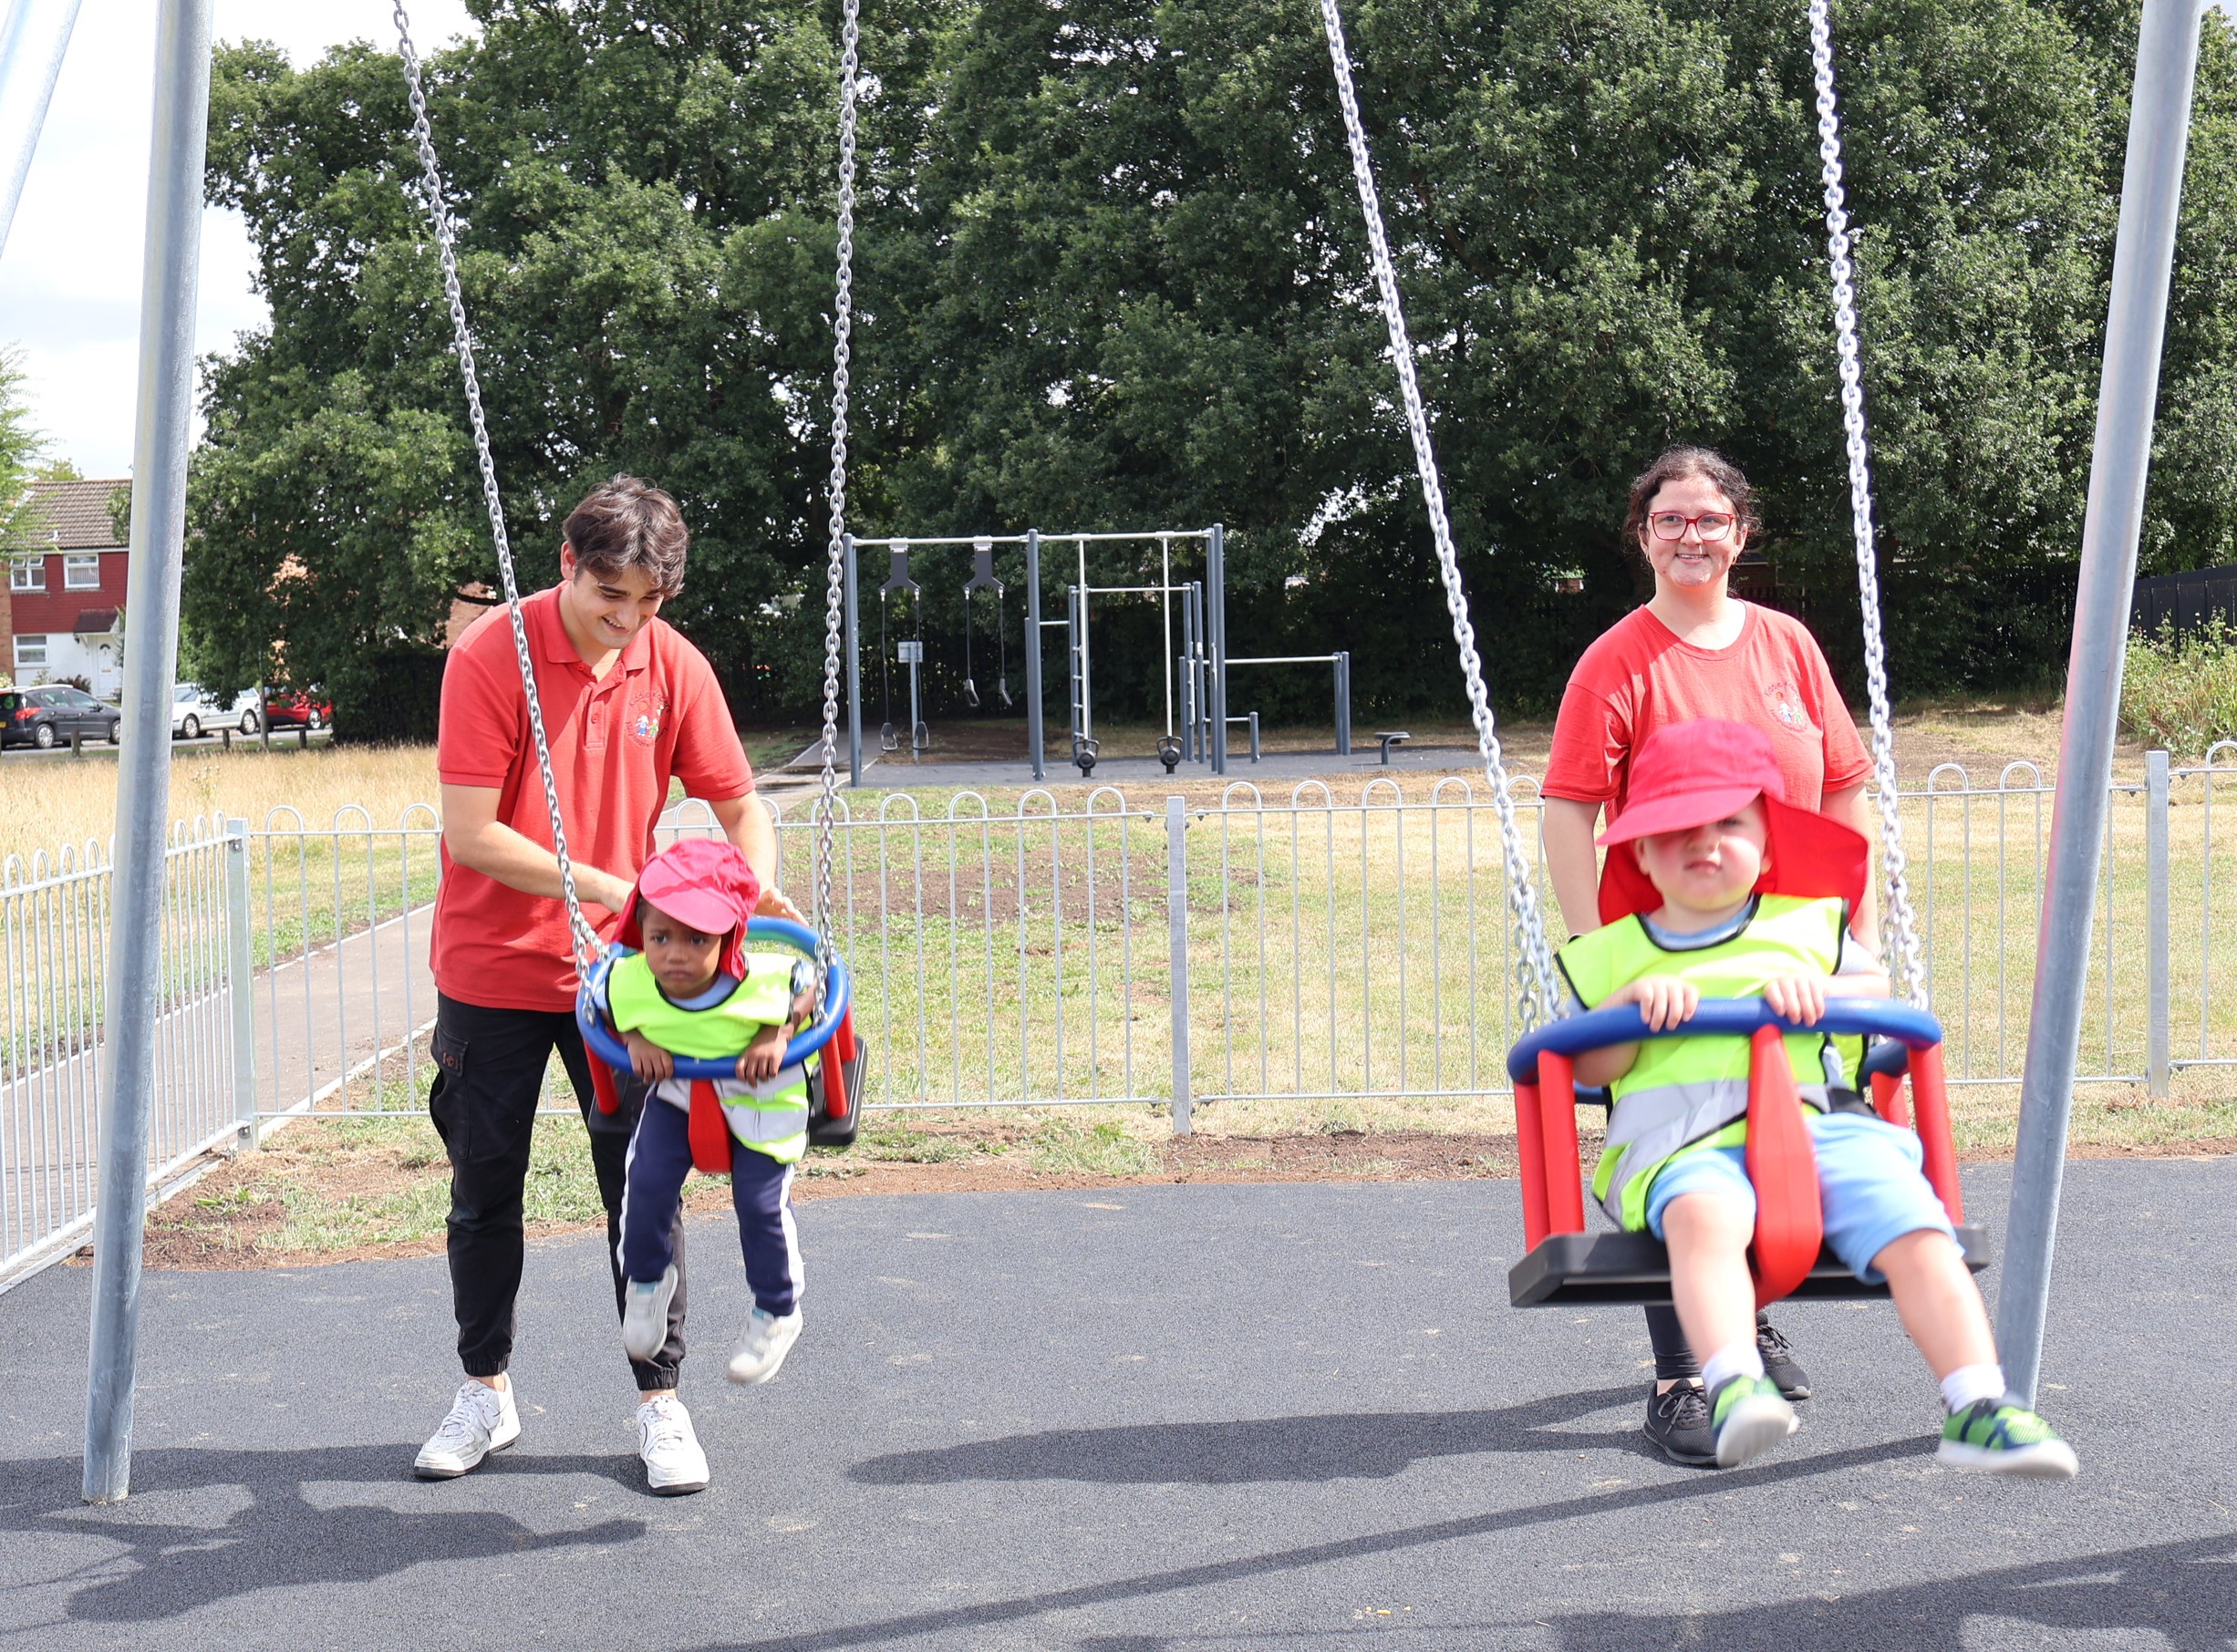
x,y
1146,1419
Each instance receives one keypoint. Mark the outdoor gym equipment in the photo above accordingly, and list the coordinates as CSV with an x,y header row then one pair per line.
x,y
1565,1264
910,653
833,1116
982,579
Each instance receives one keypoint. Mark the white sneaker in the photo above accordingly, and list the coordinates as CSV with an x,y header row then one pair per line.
x,y
674,1463
767,1339
482,1420
643,1313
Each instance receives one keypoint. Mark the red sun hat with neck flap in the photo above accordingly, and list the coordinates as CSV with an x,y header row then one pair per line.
x,y
704,882
1685,775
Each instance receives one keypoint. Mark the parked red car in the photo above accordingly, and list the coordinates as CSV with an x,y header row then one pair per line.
x,y
286,709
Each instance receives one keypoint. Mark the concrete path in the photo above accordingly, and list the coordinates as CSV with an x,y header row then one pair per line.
x,y
1141,1420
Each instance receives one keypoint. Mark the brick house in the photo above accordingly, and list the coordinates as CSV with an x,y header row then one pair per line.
x,y
63,610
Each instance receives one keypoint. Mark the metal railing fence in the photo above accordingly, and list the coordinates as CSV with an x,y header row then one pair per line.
x,y
1310,946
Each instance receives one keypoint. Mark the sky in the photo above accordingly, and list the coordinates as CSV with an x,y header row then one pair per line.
x,y
71,274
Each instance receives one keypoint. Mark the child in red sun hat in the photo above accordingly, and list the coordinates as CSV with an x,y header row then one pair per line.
x,y
1715,886
691,990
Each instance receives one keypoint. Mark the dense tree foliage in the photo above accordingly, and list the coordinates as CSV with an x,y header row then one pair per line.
x,y
1111,274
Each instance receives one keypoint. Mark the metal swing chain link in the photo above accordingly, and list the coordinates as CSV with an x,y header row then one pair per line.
x,y
587,946
843,327
1540,994
1909,965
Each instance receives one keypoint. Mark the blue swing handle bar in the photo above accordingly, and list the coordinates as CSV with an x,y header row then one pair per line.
x,y
1736,1017
606,1045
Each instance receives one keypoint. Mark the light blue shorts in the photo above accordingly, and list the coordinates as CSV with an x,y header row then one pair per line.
x,y
1868,1182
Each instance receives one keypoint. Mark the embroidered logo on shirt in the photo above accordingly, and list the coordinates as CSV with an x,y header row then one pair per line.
x,y
646,708
1786,703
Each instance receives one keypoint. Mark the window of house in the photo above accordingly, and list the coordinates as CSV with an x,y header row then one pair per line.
x,y
27,573
30,650
81,573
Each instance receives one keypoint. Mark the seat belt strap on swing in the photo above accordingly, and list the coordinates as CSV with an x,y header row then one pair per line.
x,y
708,1130
1781,1162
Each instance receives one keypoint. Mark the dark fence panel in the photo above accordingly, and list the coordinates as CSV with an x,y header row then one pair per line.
x,y
2184,601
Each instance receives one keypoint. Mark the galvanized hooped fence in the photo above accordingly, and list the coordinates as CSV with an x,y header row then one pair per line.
x,y
1309,948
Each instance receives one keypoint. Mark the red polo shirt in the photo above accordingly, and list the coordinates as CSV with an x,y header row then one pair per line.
x,y
615,745
1638,676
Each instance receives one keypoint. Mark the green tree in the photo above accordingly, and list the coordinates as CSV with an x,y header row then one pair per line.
x,y
21,445
1110,273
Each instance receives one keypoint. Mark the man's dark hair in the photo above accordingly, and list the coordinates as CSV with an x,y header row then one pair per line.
x,y
629,523
1675,465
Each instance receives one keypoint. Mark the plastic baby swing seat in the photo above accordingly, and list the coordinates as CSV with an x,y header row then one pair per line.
x,y
1565,1264
833,1088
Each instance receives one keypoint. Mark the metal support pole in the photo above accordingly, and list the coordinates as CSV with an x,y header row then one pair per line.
x,y
241,977
34,39
2136,325
1344,703
1033,734
1177,908
2158,1061
1215,627
166,403
854,672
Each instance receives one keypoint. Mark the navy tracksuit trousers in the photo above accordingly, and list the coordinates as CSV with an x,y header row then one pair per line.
x,y
760,1190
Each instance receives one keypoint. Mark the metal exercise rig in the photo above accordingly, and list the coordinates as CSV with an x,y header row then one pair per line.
x,y
1195,676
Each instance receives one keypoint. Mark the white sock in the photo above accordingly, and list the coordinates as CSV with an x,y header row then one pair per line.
x,y
1970,1384
1741,1360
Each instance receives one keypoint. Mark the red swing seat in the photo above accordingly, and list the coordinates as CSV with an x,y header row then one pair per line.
x,y
1565,1264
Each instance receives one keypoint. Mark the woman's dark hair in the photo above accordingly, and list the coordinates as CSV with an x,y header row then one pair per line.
x,y
631,523
1675,465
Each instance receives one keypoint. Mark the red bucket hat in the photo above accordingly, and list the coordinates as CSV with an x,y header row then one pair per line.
x,y
1686,774
702,881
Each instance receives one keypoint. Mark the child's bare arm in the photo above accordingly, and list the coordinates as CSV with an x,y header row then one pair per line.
x,y
650,1061
763,1057
1663,1000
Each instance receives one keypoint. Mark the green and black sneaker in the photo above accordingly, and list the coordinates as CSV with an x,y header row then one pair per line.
x,y
1749,1418
2001,1439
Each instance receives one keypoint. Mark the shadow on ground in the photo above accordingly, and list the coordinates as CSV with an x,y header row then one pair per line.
x,y
1374,1445
168,1568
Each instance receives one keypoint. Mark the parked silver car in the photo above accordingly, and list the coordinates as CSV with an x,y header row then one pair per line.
x,y
194,712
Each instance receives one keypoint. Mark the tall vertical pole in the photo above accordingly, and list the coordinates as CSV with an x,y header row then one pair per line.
x,y
1344,703
34,38
1033,736
853,671
1176,914
143,767
2151,189
1216,626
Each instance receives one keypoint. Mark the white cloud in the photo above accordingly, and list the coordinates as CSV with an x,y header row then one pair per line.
x,y
71,274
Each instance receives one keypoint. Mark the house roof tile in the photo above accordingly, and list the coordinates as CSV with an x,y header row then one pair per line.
x,y
71,516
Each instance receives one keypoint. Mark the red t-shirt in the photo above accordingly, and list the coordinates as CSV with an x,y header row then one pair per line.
x,y
615,744
1636,676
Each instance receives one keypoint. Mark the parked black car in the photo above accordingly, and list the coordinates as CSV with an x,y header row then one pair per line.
x,y
49,716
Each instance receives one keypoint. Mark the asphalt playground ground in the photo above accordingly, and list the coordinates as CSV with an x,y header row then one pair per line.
x,y
1147,1420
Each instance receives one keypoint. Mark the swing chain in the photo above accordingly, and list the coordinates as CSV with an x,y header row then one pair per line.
x,y
1909,965
1540,993
843,325
584,939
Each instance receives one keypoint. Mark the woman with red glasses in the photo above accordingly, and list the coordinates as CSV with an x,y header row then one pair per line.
x,y
1694,650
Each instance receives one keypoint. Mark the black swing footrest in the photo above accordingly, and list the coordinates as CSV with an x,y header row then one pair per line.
x,y
1570,1268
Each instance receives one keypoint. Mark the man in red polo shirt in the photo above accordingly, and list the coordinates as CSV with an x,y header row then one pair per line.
x,y
628,705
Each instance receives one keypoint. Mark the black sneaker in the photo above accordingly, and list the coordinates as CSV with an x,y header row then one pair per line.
x,y
1779,1362
1678,1422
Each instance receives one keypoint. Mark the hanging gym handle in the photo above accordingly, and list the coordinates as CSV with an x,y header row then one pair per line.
x,y
982,579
